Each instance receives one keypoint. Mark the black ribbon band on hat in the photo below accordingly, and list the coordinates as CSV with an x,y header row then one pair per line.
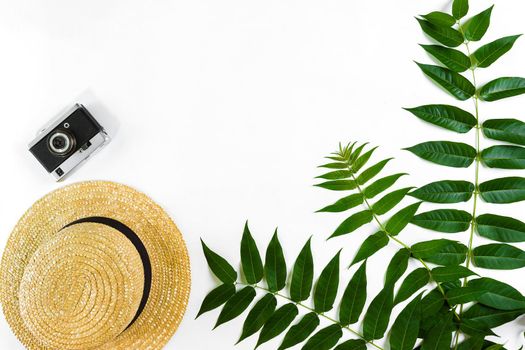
x,y
132,236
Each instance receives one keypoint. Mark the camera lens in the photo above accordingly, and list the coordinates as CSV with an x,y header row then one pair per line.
x,y
61,142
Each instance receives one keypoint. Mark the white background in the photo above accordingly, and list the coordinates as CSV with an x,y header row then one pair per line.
x,y
221,111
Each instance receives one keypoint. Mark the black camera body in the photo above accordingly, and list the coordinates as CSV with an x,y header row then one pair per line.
x,y
68,141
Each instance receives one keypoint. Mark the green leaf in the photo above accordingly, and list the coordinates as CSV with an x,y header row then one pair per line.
x,y
498,256
338,185
355,154
452,154
476,27
336,175
216,298
405,329
429,248
389,201
440,336
459,8
220,267
444,35
432,302
498,294
327,284
299,332
370,246
450,273
369,173
488,54
509,130
463,295
325,339
453,254
354,298
445,116
500,228
353,223
345,203
352,344
277,323
444,220
472,343
504,157
456,84
399,220
446,191
236,305
397,266
302,275
502,88
258,316
381,185
454,60
361,161
252,265
377,316
491,317
440,19
503,190
415,280
335,165
275,265
474,329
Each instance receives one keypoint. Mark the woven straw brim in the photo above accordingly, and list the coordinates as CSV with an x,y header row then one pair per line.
x,y
170,267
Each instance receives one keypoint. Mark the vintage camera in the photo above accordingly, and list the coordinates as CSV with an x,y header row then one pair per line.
x,y
67,141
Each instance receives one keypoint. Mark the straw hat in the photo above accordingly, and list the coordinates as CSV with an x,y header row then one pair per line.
x,y
95,265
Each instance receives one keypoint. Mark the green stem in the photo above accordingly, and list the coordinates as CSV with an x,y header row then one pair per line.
x,y
356,333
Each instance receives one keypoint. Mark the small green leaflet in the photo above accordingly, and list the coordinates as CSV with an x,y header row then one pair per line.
x,y
503,190
277,323
446,191
476,27
336,175
454,60
299,332
327,285
456,84
463,295
220,267
440,336
354,222
275,265
352,344
381,185
500,228
488,54
432,302
444,220
502,88
444,35
491,317
251,259
303,274
389,201
509,130
371,172
459,8
377,316
445,116
216,298
399,220
338,185
440,19
370,246
345,203
498,256
498,295
450,273
452,154
236,305
453,254
354,298
429,248
397,266
361,161
504,157
325,339
415,280
258,316
405,329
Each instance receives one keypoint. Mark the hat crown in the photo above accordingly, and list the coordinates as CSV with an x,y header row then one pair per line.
x,y
81,288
